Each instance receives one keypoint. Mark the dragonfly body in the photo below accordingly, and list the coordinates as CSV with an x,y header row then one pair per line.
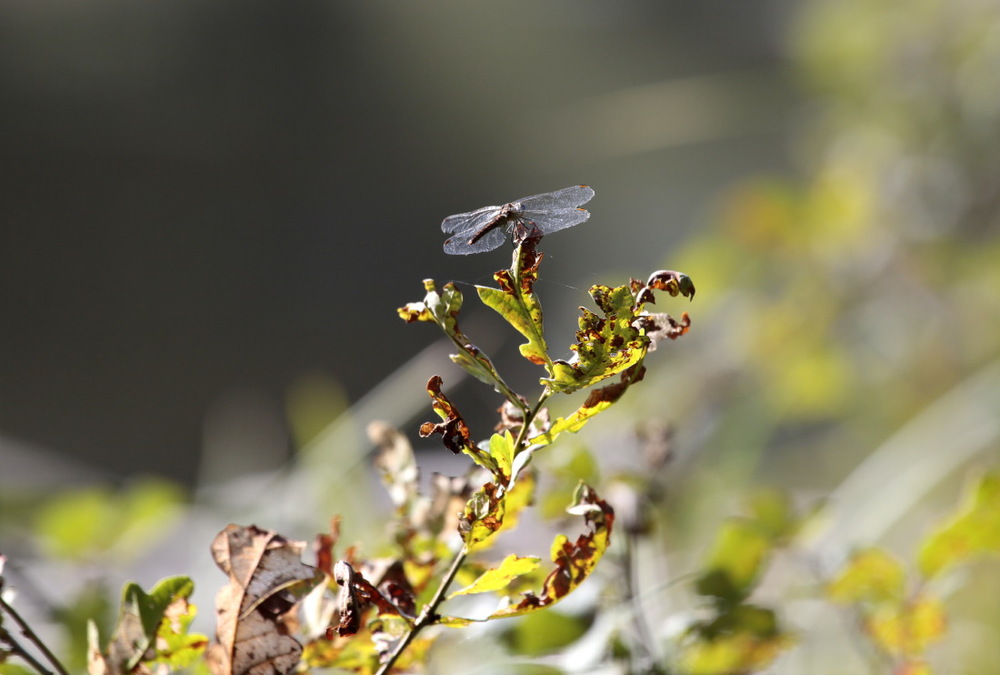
x,y
486,228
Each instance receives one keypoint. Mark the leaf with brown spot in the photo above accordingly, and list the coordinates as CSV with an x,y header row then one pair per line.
x,y
605,345
517,303
574,560
597,401
266,578
482,517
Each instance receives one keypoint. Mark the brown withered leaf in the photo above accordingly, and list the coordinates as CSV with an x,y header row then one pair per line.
x,y
266,577
453,429
660,326
323,546
392,597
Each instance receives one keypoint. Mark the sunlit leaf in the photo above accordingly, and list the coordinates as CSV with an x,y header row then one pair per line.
x,y
606,345
597,401
516,302
266,577
973,531
483,517
907,629
500,577
519,496
728,654
175,647
869,576
574,560
502,451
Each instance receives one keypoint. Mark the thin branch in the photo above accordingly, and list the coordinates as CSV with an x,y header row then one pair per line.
x,y
428,614
34,639
17,650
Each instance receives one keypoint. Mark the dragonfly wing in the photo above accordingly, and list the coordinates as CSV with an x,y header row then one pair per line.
x,y
472,220
458,243
573,196
557,219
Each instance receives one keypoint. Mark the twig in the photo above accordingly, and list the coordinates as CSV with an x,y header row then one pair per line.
x,y
17,650
644,638
30,635
428,614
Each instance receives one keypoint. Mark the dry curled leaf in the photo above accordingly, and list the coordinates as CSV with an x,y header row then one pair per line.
x,y
266,577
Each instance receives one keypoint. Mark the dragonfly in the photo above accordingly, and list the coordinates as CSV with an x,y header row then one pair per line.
x,y
486,228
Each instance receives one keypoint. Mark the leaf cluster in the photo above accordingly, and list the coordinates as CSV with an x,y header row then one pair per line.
x,y
901,612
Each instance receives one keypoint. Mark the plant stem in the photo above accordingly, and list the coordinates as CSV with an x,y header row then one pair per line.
x,y
428,615
17,650
529,417
30,635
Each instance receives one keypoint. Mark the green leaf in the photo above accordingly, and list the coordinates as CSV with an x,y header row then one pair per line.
x,y
973,531
773,513
482,518
735,562
574,561
597,402
145,616
500,577
870,576
98,522
502,451
729,653
517,303
442,308
605,345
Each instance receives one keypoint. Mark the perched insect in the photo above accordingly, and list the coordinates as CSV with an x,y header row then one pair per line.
x,y
486,228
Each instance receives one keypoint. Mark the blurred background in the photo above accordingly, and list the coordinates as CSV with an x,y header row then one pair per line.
x,y
212,210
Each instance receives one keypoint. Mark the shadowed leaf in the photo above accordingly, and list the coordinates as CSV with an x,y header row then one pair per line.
x,y
151,630
735,561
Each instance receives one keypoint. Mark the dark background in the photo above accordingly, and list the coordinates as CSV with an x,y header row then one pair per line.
x,y
207,198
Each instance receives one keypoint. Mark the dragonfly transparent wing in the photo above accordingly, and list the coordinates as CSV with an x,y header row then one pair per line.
x,y
556,219
472,220
573,196
458,243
